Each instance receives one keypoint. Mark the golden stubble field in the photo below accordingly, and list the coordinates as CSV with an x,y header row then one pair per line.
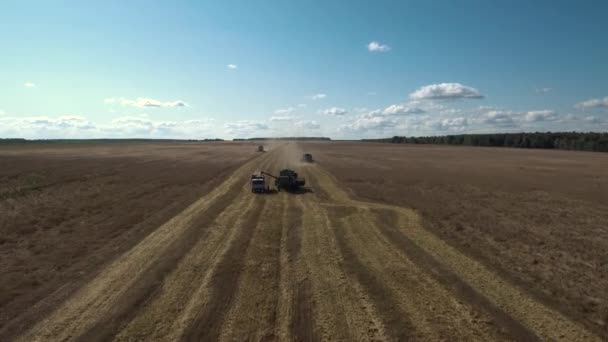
x,y
166,242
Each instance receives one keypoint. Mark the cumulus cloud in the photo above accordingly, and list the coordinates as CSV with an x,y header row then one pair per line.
x,y
402,109
285,111
458,124
367,122
377,47
245,127
540,115
594,119
507,118
143,102
485,109
281,118
335,111
395,110
71,126
29,85
302,105
232,66
135,125
499,118
308,125
542,90
450,111
318,96
593,103
445,91
45,127
145,127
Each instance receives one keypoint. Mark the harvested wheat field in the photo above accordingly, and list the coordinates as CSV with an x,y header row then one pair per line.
x,y
163,242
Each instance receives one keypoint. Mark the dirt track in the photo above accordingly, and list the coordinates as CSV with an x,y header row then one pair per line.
x,y
312,266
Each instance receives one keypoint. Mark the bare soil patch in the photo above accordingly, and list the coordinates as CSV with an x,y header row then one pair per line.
x,y
539,218
67,210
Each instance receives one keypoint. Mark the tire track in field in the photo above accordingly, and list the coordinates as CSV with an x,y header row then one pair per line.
x,y
301,325
397,325
150,282
409,304
208,321
513,305
166,317
295,307
186,289
219,307
507,325
253,315
342,310
99,297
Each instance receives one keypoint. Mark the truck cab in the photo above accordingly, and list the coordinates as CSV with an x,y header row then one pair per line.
x,y
258,184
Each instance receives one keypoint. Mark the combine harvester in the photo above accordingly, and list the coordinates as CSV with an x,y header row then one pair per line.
x,y
307,157
287,180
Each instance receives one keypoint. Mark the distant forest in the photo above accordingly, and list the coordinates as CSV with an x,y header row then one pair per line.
x,y
597,142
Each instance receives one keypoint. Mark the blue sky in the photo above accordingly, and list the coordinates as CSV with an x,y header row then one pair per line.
x,y
356,69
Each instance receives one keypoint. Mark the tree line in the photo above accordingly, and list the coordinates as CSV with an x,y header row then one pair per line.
x,y
578,141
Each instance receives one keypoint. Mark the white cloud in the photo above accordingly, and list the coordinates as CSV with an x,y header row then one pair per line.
x,y
302,105
281,118
395,110
45,127
244,127
285,111
366,122
542,90
402,109
504,118
485,109
540,115
453,124
594,119
371,93
309,125
450,111
29,85
500,118
1,112
78,127
143,127
143,102
318,96
593,103
335,111
232,66
377,47
445,91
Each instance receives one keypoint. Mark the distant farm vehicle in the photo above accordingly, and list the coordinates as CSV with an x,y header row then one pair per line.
x,y
261,148
307,157
258,184
287,180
